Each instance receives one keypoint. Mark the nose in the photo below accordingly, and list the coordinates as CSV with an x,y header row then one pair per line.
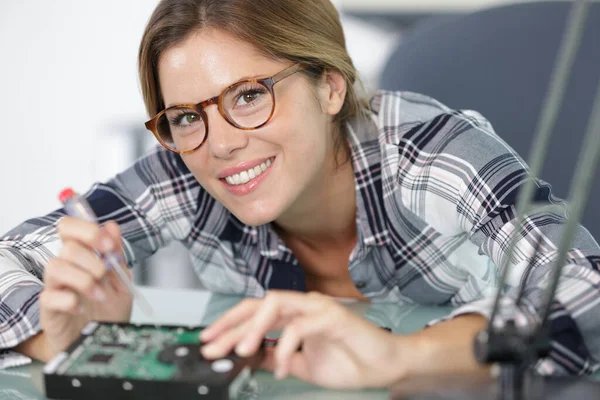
x,y
223,138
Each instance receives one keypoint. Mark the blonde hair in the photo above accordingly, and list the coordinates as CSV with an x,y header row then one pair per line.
x,y
302,31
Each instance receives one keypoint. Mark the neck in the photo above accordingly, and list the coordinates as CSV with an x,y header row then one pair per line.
x,y
326,214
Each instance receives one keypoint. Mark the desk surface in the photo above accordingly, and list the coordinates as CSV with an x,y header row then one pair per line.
x,y
183,307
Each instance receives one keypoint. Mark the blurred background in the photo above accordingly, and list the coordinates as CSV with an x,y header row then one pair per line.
x,y
71,107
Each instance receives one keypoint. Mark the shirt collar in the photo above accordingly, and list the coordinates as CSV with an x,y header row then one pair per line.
x,y
270,244
366,161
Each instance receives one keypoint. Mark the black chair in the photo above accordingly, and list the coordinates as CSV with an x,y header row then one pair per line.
x,y
499,62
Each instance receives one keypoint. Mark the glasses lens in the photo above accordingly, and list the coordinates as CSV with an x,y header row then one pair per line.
x,y
182,129
248,104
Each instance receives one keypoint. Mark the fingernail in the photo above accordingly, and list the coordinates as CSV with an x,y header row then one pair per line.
x,y
209,351
205,335
99,294
81,309
279,373
242,349
107,245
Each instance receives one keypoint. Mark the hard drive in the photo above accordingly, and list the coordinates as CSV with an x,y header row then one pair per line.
x,y
127,361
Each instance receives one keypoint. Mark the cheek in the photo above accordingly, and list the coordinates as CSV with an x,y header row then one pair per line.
x,y
312,138
198,166
308,127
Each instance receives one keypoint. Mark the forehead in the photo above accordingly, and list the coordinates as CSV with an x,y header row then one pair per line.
x,y
207,62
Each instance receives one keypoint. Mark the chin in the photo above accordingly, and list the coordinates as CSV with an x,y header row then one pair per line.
x,y
254,216
254,219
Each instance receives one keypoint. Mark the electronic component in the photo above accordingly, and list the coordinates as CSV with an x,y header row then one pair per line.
x,y
127,361
100,358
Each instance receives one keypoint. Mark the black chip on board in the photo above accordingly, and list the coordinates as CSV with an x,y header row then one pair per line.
x,y
100,358
114,345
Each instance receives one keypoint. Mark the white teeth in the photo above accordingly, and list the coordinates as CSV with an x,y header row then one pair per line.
x,y
246,176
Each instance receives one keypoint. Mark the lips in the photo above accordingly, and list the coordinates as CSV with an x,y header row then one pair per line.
x,y
249,174
242,167
246,177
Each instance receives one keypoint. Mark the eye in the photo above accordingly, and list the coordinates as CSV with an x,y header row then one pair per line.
x,y
184,119
187,119
248,97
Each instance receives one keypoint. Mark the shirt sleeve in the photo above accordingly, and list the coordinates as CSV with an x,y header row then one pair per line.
x,y
152,202
474,178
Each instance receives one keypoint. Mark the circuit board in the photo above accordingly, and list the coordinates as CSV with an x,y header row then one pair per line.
x,y
128,361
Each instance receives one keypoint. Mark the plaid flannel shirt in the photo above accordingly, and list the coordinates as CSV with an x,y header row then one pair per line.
x,y
435,196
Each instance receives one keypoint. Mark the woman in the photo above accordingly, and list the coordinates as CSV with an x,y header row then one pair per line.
x,y
278,178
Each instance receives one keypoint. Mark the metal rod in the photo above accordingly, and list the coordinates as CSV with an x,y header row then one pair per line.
x,y
558,84
579,195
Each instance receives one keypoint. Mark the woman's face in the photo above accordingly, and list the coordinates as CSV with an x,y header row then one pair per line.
x,y
291,152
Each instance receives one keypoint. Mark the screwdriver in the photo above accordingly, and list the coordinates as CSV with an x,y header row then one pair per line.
x,y
78,207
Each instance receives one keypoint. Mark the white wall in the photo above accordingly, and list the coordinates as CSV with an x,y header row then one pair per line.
x,y
68,95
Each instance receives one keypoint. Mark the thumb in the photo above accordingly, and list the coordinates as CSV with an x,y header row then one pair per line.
x,y
299,367
268,361
298,364
112,231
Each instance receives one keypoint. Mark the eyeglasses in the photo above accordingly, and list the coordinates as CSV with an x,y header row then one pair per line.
x,y
247,105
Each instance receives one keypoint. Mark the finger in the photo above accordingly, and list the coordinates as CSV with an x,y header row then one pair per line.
x,y
78,254
299,367
229,319
224,343
111,231
268,361
60,301
277,307
294,334
113,285
86,232
61,274
298,364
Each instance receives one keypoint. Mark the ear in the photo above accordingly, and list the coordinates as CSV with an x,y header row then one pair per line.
x,y
333,92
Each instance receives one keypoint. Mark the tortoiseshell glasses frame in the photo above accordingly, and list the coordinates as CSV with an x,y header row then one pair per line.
x,y
168,119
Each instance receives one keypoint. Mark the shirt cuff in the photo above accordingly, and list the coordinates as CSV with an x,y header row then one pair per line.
x,y
568,354
525,317
9,358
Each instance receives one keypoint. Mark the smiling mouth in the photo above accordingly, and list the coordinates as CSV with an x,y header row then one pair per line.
x,y
252,173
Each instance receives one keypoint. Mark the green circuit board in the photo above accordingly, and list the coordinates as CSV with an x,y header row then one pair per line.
x,y
130,352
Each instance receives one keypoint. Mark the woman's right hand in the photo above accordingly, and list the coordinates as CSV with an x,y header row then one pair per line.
x,y
77,286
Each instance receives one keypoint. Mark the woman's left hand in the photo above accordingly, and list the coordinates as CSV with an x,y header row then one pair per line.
x,y
339,349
